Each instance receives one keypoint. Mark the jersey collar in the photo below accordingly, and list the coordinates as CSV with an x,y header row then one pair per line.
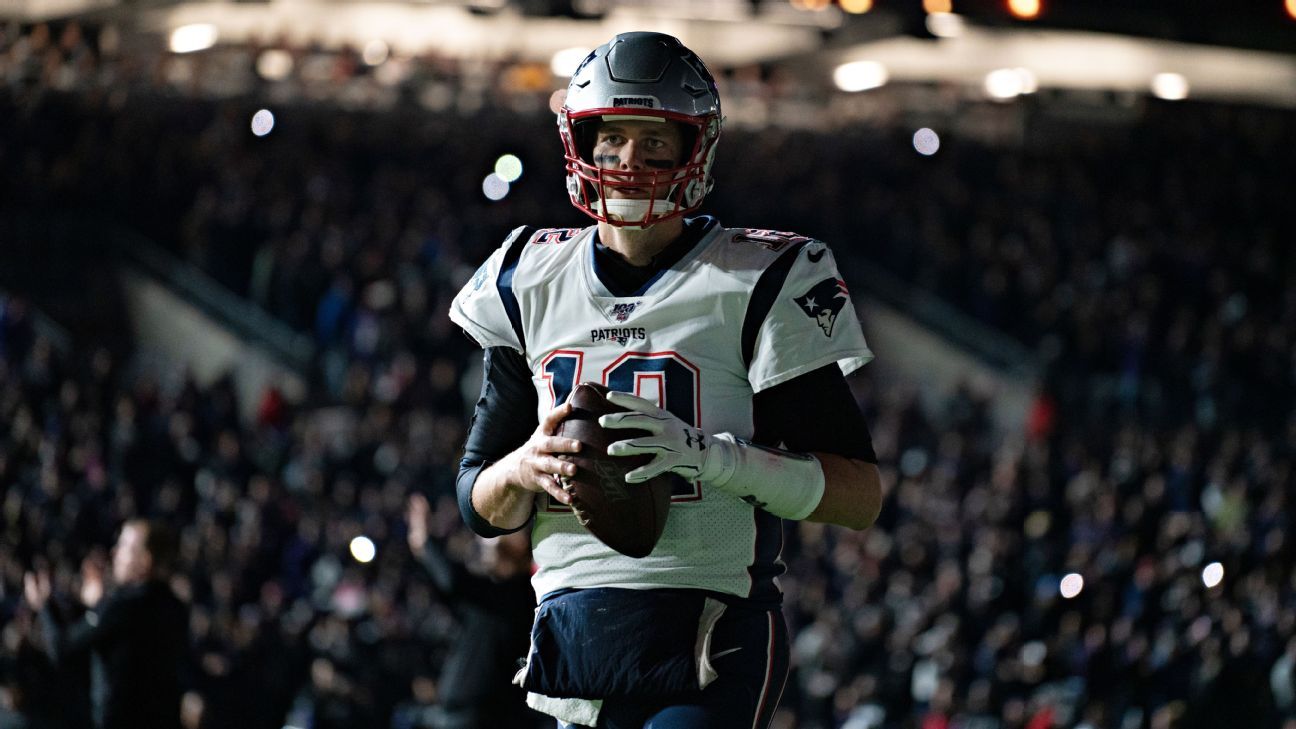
x,y
622,279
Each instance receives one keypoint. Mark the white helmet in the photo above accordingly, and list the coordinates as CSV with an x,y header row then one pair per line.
x,y
640,76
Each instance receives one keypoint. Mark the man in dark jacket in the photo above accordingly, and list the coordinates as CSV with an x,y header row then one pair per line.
x,y
494,610
137,635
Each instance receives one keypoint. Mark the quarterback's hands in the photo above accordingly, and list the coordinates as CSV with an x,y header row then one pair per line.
x,y
535,466
679,447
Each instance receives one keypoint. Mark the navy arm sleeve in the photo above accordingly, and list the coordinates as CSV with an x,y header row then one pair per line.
x,y
504,419
813,412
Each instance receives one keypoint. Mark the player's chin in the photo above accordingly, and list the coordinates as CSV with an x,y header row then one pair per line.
x,y
630,194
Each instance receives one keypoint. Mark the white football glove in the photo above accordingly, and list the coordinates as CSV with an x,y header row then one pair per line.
x,y
785,484
679,447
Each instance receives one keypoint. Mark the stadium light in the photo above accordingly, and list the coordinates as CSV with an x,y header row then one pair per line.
x,y
274,64
565,62
1024,9
1004,84
1071,585
938,6
262,122
926,141
375,52
1291,8
1212,574
363,549
1170,86
858,7
193,37
509,168
945,25
494,187
860,75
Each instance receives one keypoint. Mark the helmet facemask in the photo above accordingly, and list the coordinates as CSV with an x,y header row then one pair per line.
x,y
673,189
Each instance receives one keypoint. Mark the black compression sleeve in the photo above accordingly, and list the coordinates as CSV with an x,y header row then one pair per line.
x,y
813,412
504,419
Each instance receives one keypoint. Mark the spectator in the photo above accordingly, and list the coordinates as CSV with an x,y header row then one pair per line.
x,y
136,635
494,610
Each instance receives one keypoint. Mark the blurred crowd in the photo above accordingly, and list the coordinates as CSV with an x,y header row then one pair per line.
x,y
1147,264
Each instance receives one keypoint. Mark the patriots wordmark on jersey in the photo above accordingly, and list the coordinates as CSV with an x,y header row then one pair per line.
x,y
743,311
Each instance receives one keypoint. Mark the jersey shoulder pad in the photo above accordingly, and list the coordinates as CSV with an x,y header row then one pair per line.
x,y
771,240
554,236
801,318
485,307
755,249
545,252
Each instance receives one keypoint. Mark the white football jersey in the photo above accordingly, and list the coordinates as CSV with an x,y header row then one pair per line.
x,y
743,311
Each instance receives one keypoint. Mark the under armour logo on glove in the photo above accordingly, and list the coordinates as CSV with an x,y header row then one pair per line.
x,y
676,446
694,438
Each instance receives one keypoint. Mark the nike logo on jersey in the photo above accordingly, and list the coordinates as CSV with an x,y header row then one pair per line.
x,y
620,335
824,302
815,257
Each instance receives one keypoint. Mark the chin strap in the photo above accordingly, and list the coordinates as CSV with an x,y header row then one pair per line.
x,y
635,210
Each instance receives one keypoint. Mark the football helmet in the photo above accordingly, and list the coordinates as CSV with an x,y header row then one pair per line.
x,y
647,77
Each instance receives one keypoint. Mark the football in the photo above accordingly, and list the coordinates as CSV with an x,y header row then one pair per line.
x,y
625,516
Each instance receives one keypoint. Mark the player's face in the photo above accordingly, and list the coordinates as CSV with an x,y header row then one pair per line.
x,y
638,146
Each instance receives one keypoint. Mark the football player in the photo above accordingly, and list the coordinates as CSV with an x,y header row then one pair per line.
x,y
729,345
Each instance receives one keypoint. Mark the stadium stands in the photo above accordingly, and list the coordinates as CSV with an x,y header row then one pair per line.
x,y
1148,265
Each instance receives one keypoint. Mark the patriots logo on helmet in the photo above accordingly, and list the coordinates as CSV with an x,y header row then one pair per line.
x,y
824,302
621,312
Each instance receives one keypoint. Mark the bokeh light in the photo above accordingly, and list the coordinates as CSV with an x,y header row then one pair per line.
x,y
1024,9
926,141
1212,574
856,7
495,187
509,168
556,100
363,549
945,25
375,52
193,37
262,122
1170,86
565,62
1071,585
1009,83
274,64
860,75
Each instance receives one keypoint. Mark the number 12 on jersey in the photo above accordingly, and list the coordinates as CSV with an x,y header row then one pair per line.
x,y
664,377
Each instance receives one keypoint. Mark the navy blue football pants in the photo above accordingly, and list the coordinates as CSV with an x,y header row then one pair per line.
x,y
749,650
